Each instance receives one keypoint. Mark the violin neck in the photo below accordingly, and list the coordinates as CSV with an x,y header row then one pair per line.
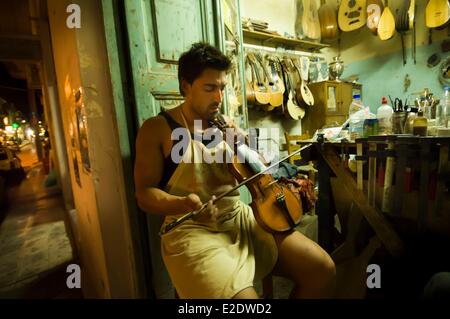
x,y
250,157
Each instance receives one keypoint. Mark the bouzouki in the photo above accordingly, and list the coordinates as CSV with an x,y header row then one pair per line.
x,y
352,15
386,26
328,21
374,10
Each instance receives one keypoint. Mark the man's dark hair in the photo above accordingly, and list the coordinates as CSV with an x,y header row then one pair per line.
x,y
200,56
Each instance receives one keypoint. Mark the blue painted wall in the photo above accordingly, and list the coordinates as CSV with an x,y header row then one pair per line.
x,y
385,74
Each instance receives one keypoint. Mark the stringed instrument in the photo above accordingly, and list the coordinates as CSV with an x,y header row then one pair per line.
x,y
276,95
374,10
262,95
293,110
411,13
412,26
275,73
328,21
249,93
437,13
300,32
386,26
302,92
310,20
352,15
276,207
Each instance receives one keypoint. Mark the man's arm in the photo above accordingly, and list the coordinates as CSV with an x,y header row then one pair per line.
x,y
148,173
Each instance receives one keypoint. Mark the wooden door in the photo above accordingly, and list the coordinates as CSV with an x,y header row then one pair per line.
x,y
345,98
158,32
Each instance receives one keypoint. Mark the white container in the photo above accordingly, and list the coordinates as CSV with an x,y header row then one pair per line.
x,y
443,109
356,105
384,116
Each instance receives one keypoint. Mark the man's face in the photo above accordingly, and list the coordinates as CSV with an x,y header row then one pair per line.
x,y
205,94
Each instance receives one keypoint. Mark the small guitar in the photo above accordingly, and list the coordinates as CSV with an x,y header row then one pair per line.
x,y
262,96
374,10
275,71
437,13
352,15
276,96
386,26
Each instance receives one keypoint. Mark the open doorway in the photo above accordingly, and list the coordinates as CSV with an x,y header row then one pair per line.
x,y
35,240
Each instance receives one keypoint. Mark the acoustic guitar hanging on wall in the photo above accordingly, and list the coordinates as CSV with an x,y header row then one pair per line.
x,y
352,15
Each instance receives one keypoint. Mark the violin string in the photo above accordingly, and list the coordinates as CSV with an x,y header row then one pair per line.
x,y
193,213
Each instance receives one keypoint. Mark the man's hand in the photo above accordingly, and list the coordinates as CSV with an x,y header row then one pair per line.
x,y
209,213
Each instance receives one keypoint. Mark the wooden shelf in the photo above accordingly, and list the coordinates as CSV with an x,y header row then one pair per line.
x,y
273,40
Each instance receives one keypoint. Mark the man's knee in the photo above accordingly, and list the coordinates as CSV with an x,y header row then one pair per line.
x,y
246,293
327,267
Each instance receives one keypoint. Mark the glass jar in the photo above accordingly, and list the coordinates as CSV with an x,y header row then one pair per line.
x,y
409,123
420,125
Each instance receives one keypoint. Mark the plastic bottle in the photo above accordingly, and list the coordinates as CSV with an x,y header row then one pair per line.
x,y
356,124
356,104
443,111
384,116
420,125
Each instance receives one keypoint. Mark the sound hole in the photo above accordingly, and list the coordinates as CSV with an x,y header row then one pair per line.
x,y
354,14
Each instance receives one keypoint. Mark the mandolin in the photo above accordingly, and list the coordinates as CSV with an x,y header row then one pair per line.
x,y
374,10
386,26
293,111
437,13
302,91
328,21
352,15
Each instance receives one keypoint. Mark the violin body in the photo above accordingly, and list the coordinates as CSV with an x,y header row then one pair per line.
x,y
275,207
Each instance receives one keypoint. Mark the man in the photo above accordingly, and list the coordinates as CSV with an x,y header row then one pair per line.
x,y
220,252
